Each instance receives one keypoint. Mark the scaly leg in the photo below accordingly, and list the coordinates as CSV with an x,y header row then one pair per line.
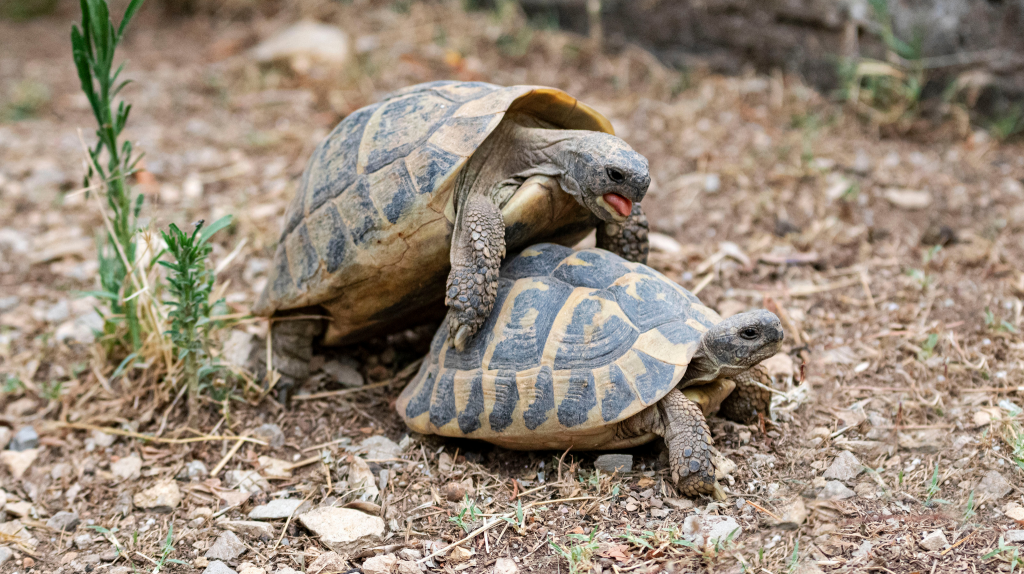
x,y
292,351
681,423
478,245
749,398
627,239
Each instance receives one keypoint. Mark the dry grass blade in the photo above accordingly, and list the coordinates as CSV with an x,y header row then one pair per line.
x,y
145,437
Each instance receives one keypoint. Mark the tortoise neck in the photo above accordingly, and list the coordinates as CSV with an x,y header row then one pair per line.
x,y
702,368
521,147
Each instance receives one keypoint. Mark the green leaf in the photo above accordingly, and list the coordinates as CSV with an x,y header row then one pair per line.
x,y
214,228
129,13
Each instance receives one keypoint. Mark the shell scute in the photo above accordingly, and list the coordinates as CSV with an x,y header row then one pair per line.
x,y
657,379
649,302
535,261
442,408
329,236
401,126
420,402
335,160
619,394
597,335
469,418
534,307
432,167
580,396
591,269
305,263
392,189
506,397
544,399
461,136
357,210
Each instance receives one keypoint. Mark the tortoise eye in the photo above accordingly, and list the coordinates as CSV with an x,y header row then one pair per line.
x,y
749,333
615,175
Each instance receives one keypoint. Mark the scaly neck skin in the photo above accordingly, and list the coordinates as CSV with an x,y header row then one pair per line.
x,y
520,147
702,368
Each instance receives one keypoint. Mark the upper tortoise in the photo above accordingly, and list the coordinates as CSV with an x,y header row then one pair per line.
x,y
439,181
589,351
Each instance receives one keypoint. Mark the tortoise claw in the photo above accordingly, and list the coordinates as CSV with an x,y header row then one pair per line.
x,y
462,337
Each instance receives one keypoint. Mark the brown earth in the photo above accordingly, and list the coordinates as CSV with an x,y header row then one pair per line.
x,y
765,193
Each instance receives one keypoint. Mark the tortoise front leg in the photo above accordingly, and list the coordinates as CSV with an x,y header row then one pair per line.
x,y
478,245
750,397
680,422
627,239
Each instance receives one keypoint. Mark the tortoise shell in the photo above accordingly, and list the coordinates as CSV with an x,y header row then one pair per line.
x,y
368,233
577,341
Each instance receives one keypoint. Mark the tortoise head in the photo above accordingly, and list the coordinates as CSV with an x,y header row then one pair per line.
x,y
735,345
603,173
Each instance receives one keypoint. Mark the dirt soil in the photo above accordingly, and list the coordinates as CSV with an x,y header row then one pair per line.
x,y
896,263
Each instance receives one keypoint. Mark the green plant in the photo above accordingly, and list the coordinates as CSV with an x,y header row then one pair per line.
x,y
53,390
997,324
638,540
190,284
934,488
12,385
577,555
1009,553
969,511
794,558
469,514
928,347
519,524
886,91
93,47
1008,124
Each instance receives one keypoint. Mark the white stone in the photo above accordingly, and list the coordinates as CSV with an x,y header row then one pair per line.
x,y
63,521
5,437
26,438
246,481
304,43
793,514
127,468
663,243
844,467
1013,536
17,463
910,199
1015,513
505,566
218,567
934,541
614,463
382,564
21,509
162,497
344,530
278,509
835,490
5,554
360,477
345,373
227,547
270,433
272,467
380,447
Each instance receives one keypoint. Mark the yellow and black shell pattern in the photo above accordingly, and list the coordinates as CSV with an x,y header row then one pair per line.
x,y
369,228
577,341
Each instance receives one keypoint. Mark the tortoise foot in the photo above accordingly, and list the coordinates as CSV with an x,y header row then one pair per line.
x,y
750,398
689,445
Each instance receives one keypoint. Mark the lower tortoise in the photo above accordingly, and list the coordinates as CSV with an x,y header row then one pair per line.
x,y
587,350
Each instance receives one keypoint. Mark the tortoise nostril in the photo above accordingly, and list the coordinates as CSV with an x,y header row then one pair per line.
x,y
615,175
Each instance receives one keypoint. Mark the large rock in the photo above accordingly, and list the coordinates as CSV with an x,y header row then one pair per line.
x,y
344,530
227,547
304,44
162,497
18,462
278,509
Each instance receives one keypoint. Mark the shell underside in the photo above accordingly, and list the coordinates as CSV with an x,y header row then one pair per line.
x,y
576,341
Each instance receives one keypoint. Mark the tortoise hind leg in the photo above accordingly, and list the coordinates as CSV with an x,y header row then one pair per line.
x,y
478,245
750,397
681,423
292,351
627,239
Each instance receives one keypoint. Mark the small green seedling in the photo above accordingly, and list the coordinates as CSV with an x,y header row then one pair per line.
x,y
1009,553
468,515
577,555
934,488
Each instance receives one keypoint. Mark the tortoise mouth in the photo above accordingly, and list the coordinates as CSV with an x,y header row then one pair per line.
x,y
622,205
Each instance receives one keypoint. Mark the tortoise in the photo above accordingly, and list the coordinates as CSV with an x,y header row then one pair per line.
x,y
586,350
418,198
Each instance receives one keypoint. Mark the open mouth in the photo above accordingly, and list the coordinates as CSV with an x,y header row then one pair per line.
x,y
619,203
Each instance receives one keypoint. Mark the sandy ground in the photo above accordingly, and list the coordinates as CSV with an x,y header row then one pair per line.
x,y
899,404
